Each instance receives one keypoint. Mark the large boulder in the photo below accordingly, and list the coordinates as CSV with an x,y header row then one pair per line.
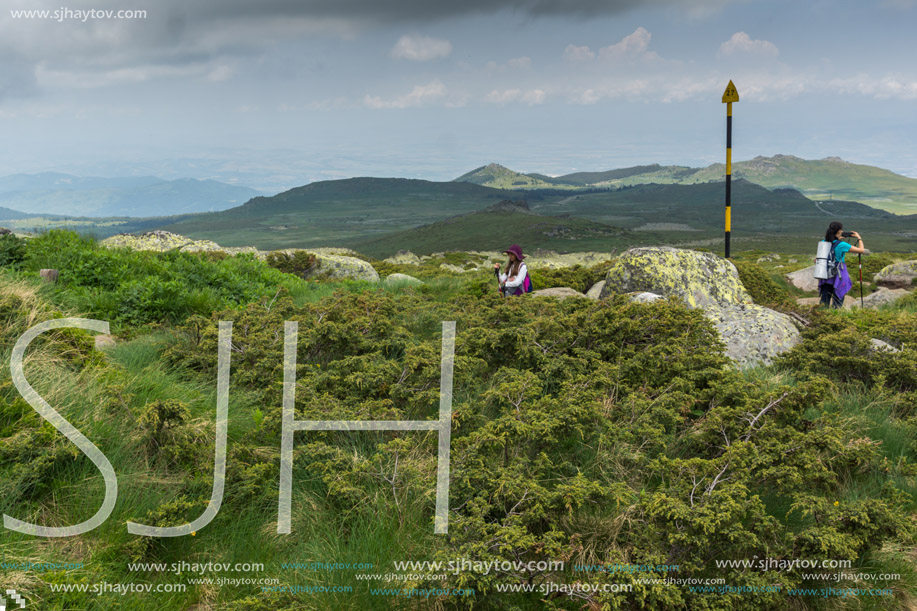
x,y
804,279
753,334
897,274
699,279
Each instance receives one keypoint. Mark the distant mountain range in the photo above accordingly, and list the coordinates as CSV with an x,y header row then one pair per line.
x,y
822,179
52,193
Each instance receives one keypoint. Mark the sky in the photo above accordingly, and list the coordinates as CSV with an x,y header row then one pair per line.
x,y
279,93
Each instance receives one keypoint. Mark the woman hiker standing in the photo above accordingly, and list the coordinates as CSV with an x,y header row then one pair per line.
x,y
513,277
833,290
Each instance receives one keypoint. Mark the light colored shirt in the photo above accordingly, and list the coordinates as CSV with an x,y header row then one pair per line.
x,y
517,281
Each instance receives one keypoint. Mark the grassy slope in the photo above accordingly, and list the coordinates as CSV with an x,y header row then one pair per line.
x,y
489,230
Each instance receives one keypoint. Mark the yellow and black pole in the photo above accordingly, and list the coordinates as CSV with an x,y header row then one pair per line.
x,y
729,96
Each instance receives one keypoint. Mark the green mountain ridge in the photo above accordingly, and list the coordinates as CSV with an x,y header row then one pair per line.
x,y
822,179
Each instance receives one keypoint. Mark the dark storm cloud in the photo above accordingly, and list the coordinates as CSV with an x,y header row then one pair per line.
x,y
426,10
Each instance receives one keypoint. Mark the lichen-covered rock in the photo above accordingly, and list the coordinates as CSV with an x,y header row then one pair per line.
x,y
160,241
897,274
401,279
560,292
804,279
699,279
595,291
753,334
403,257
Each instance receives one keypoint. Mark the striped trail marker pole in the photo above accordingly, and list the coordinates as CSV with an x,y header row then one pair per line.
x,y
729,96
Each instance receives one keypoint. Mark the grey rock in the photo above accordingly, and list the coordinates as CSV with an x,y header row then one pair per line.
x,y
880,297
804,279
49,275
897,274
753,334
645,297
879,346
560,292
403,257
595,291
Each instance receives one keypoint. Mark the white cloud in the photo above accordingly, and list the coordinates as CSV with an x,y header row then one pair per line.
x,y
420,48
574,53
433,91
503,97
509,96
633,46
741,43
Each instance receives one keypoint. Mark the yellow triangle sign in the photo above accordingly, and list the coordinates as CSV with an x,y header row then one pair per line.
x,y
731,94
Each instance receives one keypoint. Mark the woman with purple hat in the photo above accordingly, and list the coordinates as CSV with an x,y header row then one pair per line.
x,y
514,279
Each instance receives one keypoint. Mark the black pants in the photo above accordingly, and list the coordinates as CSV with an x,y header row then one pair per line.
x,y
828,297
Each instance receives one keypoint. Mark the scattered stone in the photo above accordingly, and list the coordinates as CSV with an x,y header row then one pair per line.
x,y
768,258
159,241
561,292
402,279
897,275
698,279
596,290
804,279
404,257
645,297
49,275
452,268
879,346
5,231
793,261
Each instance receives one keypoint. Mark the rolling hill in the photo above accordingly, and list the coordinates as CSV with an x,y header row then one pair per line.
x,y
829,178
330,212
779,220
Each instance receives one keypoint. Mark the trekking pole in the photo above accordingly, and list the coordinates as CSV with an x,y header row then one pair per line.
x,y
499,288
860,262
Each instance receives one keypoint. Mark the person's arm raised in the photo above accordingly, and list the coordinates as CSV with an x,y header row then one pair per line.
x,y
860,248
